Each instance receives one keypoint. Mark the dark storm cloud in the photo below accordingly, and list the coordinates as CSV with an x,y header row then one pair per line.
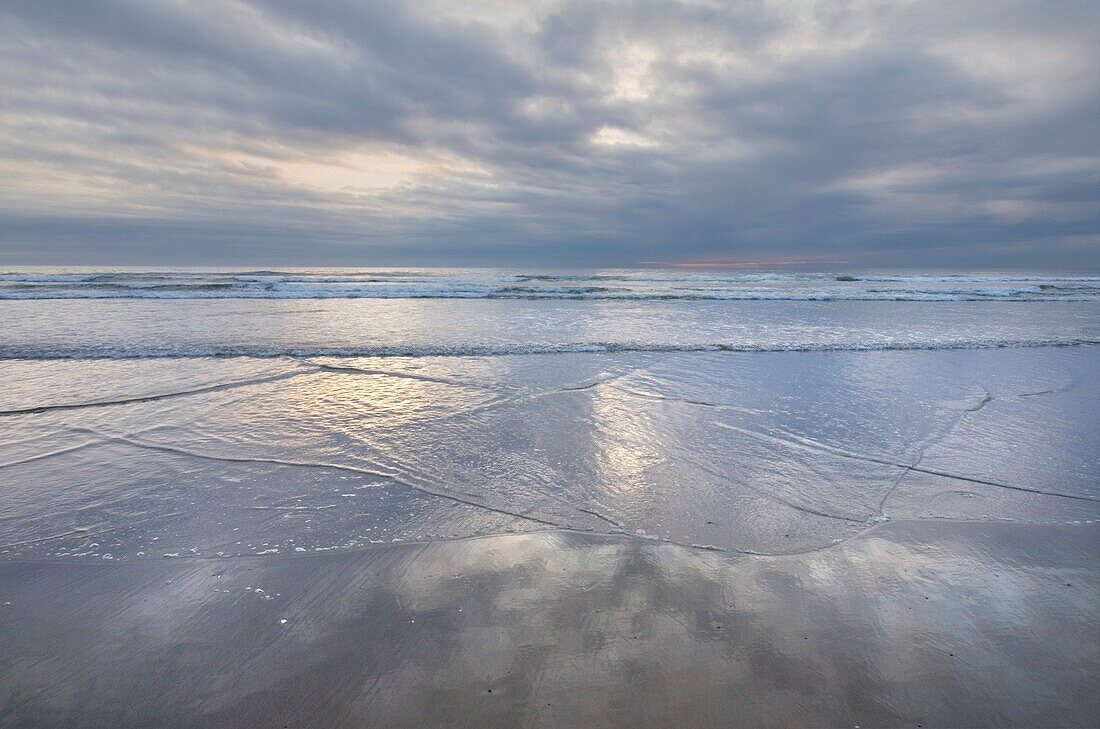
x,y
894,133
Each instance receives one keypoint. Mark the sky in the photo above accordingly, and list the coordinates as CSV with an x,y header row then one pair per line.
x,y
756,133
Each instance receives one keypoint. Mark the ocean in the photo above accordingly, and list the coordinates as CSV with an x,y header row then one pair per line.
x,y
343,283
53,313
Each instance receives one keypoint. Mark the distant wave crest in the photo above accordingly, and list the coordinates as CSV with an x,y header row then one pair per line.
x,y
481,284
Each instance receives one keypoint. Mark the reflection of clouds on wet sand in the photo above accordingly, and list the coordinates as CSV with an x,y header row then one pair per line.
x,y
946,624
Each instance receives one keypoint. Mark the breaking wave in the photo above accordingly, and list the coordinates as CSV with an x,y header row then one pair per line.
x,y
484,284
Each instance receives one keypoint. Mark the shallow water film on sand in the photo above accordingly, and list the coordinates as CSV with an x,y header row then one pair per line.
x,y
607,511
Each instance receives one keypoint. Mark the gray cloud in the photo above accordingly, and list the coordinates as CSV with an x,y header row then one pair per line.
x,y
574,132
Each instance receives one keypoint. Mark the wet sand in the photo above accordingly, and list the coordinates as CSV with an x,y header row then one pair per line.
x,y
921,624
787,539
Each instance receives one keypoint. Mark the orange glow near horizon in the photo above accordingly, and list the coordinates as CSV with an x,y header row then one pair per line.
x,y
745,264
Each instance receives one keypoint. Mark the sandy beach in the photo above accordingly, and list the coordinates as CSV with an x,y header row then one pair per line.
x,y
862,536
914,624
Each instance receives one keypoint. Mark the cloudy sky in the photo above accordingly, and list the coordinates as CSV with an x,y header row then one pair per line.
x,y
556,133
